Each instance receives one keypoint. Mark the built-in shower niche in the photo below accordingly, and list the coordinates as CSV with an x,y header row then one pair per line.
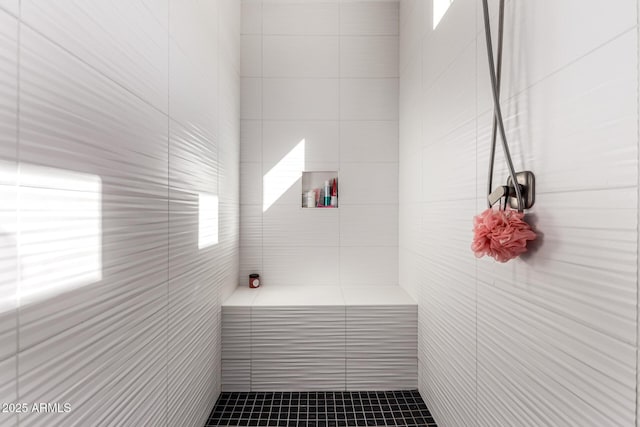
x,y
313,184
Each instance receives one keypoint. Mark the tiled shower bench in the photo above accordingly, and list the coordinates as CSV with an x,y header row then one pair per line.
x,y
319,338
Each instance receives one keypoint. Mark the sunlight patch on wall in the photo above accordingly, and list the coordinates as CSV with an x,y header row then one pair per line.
x,y
58,232
208,212
283,175
440,8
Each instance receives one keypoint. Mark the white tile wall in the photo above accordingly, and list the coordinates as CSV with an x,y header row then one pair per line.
x,y
251,98
551,338
369,57
369,99
329,77
301,17
301,56
369,17
364,184
368,141
300,99
140,343
251,55
358,221
300,266
321,140
368,265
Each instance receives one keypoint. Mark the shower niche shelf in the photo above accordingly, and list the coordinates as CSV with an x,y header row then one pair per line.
x,y
312,190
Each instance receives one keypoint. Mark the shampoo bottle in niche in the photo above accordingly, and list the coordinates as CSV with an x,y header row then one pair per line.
x,y
334,193
327,193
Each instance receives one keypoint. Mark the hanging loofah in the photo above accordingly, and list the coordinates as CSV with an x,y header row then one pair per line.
x,y
501,234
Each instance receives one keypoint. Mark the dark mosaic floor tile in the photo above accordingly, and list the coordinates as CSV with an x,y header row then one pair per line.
x,y
321,409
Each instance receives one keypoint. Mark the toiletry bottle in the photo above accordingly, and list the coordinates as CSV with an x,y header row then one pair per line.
x,y
327,194
334,193
311,199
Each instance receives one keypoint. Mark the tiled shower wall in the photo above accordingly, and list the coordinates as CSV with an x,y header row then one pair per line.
x,y
551,338
114,117
324,72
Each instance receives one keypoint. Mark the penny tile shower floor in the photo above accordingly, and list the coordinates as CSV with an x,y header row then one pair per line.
x,y
321,409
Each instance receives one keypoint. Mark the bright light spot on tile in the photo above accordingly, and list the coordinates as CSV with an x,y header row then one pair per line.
x,y
207,220
51,231
440,7
283,175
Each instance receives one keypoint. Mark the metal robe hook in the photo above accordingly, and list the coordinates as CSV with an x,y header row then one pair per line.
x,y
527,189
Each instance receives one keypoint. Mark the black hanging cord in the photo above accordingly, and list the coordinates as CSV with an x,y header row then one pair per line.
x,y
498,123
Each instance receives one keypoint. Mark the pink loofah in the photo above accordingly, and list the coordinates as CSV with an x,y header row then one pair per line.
x,y
501,234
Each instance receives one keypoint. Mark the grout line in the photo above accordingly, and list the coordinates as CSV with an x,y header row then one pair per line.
x,y
261,139
476,193
168,213
638,206
18,202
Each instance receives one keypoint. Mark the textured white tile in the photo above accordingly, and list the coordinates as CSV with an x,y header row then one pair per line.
x,y
250,262
299,332
304,374
251,56
584,92
382,331
11,6
369,265
369,99
449,103
103,347
369,17
131,210
533,339
373,225
8,389
369,141
369,56
236,375
320,140
236,328
455,33
133,53
193,337
550,46
300,266
412,13
301,56
62,368
250,183
250,141
8,86
251,98
567,346
194,160
301,18
368,183
251,17
290,225
8,214
383,374
457,151
301,99
251,221
193,88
